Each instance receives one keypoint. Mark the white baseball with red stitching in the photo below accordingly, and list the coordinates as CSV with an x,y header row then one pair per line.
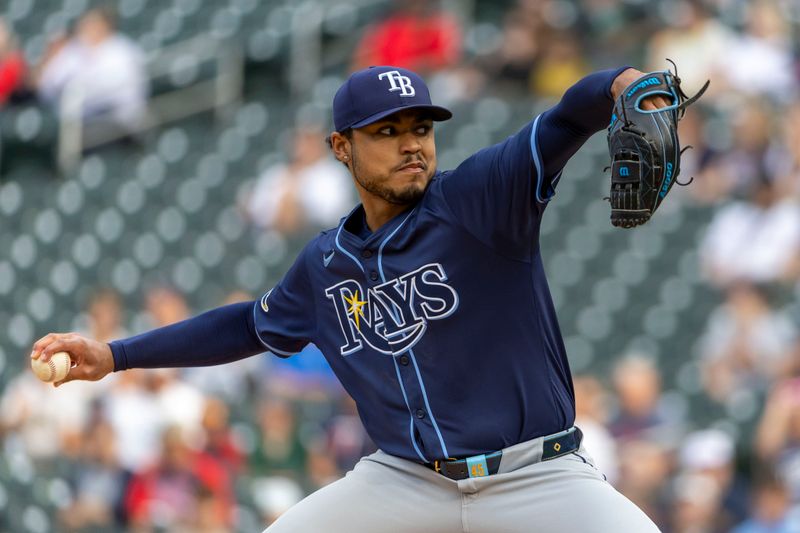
x,y
55,369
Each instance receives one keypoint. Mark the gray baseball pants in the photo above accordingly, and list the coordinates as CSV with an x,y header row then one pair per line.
x,y
387,494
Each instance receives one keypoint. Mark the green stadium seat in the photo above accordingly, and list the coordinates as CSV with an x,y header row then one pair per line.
x,y
11,198
493,113
225,23
610,293
171,224
35,519
17,10
252,118
148,250
173,145
69,198
63,277
125,277
151,171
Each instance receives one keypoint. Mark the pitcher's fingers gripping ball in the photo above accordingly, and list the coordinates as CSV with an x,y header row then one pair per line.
x,y
91,360
644,147
54,369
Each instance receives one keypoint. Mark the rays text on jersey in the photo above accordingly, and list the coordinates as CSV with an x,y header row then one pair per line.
x,y
393,316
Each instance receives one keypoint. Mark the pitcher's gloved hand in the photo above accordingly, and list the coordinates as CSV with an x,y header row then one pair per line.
x,y
643,145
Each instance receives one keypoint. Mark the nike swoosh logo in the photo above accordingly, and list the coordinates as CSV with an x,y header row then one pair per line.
x,y
326,260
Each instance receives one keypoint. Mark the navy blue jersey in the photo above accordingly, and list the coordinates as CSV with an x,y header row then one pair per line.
x,y
439,324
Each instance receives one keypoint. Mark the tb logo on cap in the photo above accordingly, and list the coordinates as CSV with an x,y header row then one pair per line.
x,y
399,83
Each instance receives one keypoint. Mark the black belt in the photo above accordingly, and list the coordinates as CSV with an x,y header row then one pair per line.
x,y
487,464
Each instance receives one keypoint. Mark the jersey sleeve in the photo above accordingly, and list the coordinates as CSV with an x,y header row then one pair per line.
x,y
493,192
284,317
500,193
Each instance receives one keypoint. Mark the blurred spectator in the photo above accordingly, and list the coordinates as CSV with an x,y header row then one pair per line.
x,y
778,436
640,412
759,62
416,36
25,402
135,415
616,30
275,495
320,467
104,316
645,468
770,508
696,505
591,406
173,491
181,405
519,48
241,379
97,481
306,376
12,64
218,439
788,166
165,306
278,449
309,193
561,64
695,40
709,455
696,162
748,161
30,422
347,440
756,240
746,345
104,67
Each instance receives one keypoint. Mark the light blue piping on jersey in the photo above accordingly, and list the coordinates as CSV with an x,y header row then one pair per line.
x,y
537,160
427,405
411,353
267,346
411,418
345,252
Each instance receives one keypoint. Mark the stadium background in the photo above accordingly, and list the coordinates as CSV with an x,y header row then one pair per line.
x,y
681,334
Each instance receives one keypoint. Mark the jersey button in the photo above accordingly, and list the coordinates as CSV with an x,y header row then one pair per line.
x,y
404,360
420,413
373,276
366,254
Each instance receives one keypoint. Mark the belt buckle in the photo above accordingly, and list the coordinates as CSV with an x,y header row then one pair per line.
x,y
437,464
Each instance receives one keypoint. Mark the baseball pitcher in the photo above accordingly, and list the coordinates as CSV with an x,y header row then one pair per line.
x,y
429,301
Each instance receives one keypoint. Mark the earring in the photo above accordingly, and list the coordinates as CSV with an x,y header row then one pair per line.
x,y
346,157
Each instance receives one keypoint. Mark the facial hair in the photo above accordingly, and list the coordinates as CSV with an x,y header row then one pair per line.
x,y
378,186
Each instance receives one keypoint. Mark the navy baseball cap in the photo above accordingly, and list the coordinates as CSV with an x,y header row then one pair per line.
x,y
376,92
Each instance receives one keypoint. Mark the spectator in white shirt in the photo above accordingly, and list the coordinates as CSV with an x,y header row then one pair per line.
x,y
310,192
747,344
106,68
756,241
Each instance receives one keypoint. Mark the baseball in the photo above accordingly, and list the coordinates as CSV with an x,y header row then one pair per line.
x,y
55,369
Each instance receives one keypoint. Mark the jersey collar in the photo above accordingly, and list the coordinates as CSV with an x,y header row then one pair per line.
x,y
353,226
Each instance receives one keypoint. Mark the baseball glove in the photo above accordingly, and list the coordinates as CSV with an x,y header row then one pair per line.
x,y
644,147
